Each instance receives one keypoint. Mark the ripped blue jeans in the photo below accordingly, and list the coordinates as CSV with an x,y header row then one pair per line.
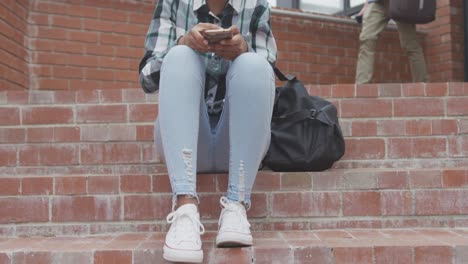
x,y
237,144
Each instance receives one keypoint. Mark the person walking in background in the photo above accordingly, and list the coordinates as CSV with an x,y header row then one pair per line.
x,y
375,20
215,108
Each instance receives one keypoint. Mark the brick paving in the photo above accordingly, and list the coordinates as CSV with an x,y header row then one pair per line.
x,y
426,246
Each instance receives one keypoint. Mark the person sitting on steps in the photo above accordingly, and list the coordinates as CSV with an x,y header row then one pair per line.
x,y
215,107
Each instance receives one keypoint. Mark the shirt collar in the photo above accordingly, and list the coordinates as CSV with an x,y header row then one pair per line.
x,y
236,4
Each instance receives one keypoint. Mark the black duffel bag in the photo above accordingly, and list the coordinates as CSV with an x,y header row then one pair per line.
x,y
305,133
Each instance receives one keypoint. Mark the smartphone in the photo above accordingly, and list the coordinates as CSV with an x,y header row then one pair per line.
x,y
216,35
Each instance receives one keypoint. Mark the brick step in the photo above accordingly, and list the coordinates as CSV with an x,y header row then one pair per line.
x,y
378,128
35,108
407,152
415,246
154,166
356,198
33,112
135,94
385,126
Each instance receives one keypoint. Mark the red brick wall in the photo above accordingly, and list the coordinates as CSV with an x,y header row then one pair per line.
x,y
87,44
90,44
13,55
444,43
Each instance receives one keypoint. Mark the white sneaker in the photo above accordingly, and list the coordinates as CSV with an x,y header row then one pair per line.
x,y
234,228
183,243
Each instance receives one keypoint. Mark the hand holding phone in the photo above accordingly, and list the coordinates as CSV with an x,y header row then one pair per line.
x,y
231,48
216,35
194,38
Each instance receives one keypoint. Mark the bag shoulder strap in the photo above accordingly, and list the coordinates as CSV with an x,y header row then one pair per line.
x,y
281,76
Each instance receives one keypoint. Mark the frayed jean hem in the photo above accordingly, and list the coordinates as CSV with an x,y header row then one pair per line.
x,y
233,197
188,194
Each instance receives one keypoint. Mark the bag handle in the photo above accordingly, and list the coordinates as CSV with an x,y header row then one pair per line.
x,y
281,76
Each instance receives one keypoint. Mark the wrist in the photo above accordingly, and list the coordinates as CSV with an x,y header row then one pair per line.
x,y
245,47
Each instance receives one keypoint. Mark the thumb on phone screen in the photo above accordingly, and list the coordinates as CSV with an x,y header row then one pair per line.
x,y
235,30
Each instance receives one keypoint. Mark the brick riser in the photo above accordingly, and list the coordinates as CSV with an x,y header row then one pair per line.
x,y
385,126
320,247
86,204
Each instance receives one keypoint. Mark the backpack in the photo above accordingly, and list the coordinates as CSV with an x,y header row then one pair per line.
x,y
305,133
412,11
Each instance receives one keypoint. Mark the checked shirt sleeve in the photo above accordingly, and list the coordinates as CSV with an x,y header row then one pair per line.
x,y
262,40
161,37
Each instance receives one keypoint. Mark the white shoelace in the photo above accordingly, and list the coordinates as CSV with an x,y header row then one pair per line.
x,y
183,234
229,207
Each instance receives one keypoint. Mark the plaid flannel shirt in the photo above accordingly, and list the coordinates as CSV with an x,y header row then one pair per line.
x,y
174,18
